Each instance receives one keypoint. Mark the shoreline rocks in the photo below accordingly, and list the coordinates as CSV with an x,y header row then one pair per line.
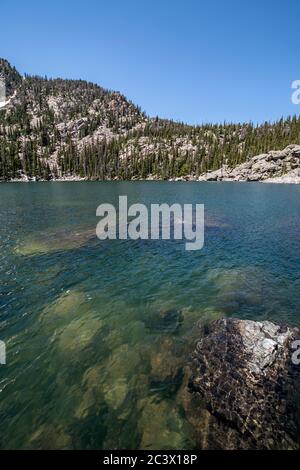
x,y
243,385
276,166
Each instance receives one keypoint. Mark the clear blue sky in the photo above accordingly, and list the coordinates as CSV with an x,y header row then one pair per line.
x,y
189,60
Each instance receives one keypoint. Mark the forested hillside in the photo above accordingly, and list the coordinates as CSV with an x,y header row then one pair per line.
x,y
54,128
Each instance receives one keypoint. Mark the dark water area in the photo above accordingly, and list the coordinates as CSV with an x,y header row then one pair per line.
x,y
92,328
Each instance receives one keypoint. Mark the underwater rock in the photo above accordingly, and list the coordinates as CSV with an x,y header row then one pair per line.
x,y
195,319
116,392
238,287
92,395
167,321
170,319
131,331
78,334
123,362
48,242
161,426
165,365
66,305
204,425
120,367
50,437
243,375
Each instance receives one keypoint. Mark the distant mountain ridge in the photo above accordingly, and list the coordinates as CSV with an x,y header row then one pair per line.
x,y
57,128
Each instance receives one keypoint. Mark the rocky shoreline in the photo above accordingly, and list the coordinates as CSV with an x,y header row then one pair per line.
x,y
242,387
277,166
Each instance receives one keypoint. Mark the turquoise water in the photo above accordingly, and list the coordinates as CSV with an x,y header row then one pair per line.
x,y
94,329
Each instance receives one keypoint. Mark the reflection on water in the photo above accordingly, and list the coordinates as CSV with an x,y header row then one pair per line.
x,y
98,333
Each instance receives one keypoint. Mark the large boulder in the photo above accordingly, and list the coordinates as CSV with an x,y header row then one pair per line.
x,y
271,167
243,374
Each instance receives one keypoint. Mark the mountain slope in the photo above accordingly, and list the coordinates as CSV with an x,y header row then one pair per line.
x,y
53,128
11,77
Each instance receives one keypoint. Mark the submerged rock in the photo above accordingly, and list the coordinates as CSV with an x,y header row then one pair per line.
x,y
162,427
92,395
116,392
120,367
65,306
77,334
49,242
166,365
243,375
49,437
167,321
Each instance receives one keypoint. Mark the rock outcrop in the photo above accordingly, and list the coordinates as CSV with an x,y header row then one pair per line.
x,y
278,166
243,375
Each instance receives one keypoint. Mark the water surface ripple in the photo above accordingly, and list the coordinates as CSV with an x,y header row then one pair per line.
x,y
94,329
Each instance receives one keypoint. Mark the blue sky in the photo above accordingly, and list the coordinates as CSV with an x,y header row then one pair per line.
x,y
193,61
